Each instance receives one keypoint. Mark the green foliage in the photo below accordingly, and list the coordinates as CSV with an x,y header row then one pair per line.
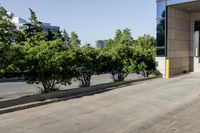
x,y
35,24
4,65
44,64
54,59
7,37
116,55
74,40
143,60
86,64
7,28
109,44
66,38
9,59
33,34
50,35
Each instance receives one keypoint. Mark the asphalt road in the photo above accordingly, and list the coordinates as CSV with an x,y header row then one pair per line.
x,y
15,89
158,106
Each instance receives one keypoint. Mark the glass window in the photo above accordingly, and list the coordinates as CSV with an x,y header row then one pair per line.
x,y
161,10
160,33
197,26
160,42
160,51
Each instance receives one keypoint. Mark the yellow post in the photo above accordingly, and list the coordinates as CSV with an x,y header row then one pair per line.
x,y
197,52
167,68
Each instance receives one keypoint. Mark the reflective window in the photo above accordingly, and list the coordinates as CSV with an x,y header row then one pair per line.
x,y
197,26
160,10
160,51
160,33
161,29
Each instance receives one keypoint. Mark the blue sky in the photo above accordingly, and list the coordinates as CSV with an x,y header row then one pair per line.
x,y
91,19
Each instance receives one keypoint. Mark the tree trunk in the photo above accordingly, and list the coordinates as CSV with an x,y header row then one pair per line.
x,y
118,76
85,80
48,86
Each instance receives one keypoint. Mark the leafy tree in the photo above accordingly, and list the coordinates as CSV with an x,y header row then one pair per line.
x,y
115,61
74,40
7,28
116,54
118,36
143,60
50,35
58,35
10,60
86,64
66,38
20,37
4,65
109,44
44,64
66,61
35,25
127,38
8,35
33,33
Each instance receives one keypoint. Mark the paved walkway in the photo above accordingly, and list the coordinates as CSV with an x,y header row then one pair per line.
x,y
158,106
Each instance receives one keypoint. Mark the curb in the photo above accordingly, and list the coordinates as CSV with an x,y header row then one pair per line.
x,y
35,100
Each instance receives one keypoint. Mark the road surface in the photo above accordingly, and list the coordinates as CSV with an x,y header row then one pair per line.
x,y
158,106
13,89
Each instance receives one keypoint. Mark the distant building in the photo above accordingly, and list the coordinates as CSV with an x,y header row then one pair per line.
x,y
100,43
47,27
20,24
10,14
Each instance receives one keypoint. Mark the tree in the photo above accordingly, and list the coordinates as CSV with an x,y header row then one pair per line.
x,y
118,36
115,61
74,40
4,59
66,38
109,44
44,64
143,60
35,25
58,35
127,38
7,28
86,64
50,35
33,33
116,55
20,37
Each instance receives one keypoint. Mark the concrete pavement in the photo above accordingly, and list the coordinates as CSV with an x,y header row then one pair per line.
x,y
13,89
152,106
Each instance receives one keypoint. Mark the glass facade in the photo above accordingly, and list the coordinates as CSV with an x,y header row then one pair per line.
x,y
161,38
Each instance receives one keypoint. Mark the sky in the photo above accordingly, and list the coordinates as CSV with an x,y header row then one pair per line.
x,y
91,19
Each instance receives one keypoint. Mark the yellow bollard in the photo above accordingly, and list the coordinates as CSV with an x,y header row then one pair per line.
x,y
167,68
197,52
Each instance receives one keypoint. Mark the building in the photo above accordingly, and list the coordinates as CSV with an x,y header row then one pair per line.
x,y
46,27
20,24
100,43
178,36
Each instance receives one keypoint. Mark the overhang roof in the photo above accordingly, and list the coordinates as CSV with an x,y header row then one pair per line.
x,y
189,6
